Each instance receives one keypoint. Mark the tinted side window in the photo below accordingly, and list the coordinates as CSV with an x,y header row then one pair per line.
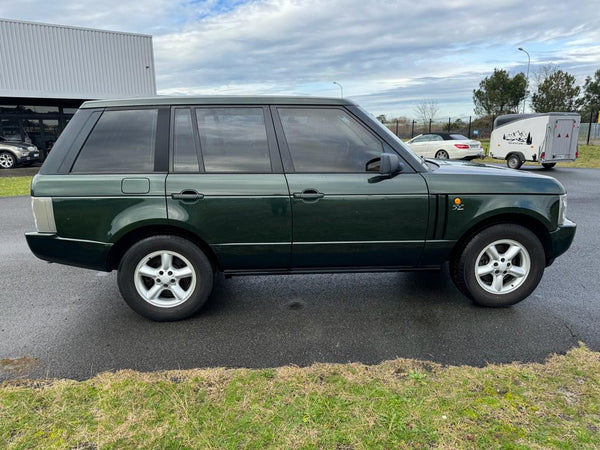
x,y
233,140
185,158
327,140
121,142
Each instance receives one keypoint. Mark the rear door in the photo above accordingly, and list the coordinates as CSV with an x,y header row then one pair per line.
x,y
564,140
226,185
344,215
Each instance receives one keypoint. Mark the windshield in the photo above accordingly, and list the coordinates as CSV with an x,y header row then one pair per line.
x,y
459,137
420,161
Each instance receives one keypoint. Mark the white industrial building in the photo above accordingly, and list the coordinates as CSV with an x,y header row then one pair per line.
x,y
47,71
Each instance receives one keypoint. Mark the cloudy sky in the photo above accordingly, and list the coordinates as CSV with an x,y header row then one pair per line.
x,y
389,55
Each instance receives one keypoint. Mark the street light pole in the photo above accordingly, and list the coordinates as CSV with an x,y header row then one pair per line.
x,y
527,79
341,88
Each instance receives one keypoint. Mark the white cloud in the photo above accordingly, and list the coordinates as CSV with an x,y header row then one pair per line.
x,y
387,54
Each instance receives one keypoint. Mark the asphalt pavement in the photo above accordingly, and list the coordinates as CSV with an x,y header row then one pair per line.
x,y
59,321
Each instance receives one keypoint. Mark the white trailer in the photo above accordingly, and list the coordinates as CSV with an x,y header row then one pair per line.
x,y
546,138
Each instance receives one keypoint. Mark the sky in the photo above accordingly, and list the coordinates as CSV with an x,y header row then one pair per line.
x,y
388,55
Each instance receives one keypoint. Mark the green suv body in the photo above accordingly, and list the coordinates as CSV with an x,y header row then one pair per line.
x,y
171,190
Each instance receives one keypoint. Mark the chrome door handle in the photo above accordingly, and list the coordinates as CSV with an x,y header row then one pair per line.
x,y
309,194
187,194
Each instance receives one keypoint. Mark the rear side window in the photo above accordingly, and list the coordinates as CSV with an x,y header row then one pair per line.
x,y
233,140
121,142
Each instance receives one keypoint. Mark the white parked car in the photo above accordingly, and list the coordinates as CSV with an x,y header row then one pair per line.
x,y
446,146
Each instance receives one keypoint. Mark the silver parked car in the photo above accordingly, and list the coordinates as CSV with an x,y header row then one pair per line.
x,y
15,152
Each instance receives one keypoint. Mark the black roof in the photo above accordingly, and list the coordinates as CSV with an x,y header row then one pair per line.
x,y
445,136
217,100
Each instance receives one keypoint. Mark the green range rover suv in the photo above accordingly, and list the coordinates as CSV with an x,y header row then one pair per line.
x,y
169,191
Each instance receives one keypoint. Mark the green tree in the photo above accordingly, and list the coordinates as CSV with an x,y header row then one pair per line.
x,y
591,96
556,92
382,118
499,93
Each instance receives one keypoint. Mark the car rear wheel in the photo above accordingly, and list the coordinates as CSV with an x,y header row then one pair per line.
x,y
514,161
7,160
165,278
442,154
499,266
548,165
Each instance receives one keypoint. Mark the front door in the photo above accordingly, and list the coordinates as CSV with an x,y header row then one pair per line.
x,y
344,215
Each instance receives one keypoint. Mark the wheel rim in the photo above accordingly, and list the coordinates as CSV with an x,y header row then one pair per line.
x,y
6,160
502,267
442,154
513,162
165,279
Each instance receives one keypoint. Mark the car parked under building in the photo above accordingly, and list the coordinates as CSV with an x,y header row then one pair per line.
x,y
48,71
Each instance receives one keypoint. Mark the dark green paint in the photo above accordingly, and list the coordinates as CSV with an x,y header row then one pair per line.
x,y
254,224
245,218
358,222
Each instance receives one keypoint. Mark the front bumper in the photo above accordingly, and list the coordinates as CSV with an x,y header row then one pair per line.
x,y
561,239
72,252
31,157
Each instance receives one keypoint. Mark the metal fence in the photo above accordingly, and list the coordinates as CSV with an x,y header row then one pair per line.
x,y
473,128
591,130
469,126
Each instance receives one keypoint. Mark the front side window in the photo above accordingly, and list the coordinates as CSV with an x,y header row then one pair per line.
x,y
233,140
122,141
327,140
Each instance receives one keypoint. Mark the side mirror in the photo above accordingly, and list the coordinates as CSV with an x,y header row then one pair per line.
x,y
390,164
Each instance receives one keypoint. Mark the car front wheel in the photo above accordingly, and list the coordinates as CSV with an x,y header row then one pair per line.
x,y
500,266
165,278
7,160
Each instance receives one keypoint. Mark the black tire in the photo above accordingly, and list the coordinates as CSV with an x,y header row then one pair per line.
x,y
482,289
156,296
7,160
548,165
514,161
442,154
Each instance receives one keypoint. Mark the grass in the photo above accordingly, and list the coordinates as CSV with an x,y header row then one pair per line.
x,y
11,186
396,404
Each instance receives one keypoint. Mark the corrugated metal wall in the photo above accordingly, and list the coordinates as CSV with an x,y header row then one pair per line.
x,y
53,61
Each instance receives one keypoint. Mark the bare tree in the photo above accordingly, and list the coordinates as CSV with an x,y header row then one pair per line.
x,y
426,111
546,71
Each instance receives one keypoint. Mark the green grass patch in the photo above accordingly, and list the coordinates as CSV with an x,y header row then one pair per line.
x,y
11,186
396,404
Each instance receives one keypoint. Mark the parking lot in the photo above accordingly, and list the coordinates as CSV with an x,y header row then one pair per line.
x,y
69,322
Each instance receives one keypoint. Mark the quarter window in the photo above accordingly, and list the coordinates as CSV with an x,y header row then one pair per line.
x,y
327,140
121,142
233,140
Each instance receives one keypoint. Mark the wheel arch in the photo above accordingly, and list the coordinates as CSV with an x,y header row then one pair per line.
x,y
126,241
529,222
